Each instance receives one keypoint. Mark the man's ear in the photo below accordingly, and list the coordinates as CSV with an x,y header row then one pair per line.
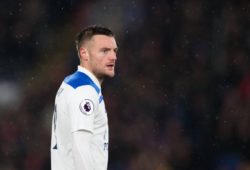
x,y
83,53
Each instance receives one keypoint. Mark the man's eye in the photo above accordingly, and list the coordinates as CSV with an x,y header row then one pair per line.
x,y
105,50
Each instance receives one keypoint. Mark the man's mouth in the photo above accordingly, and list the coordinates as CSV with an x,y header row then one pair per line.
x,y
111,65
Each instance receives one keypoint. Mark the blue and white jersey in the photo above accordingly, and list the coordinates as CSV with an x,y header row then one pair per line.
x,y
79,105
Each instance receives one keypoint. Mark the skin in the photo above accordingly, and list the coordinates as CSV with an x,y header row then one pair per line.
x,y
98,55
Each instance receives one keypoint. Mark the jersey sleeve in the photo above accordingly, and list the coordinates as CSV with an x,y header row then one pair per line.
x,y
82,107
82,155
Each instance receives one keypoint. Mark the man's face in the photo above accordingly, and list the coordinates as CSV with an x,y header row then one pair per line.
x,y
101,51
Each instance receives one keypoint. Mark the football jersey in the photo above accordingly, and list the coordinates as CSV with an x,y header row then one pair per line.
x,y
79,105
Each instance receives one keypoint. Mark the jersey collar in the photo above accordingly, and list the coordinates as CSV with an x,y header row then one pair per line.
x,y
91,75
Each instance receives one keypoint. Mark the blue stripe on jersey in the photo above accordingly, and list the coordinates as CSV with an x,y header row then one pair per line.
x,y
100,98
80,79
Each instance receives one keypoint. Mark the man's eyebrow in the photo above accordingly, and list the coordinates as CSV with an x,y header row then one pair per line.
x,y
107,48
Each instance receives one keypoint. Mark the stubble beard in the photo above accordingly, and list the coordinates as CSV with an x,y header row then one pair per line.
x,y
102,75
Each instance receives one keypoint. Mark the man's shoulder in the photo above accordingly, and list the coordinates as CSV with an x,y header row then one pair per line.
x,y
79,79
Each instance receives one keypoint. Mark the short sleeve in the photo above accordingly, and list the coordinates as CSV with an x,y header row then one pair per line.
x,y
83,103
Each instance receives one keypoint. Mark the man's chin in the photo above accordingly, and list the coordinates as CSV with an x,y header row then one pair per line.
x,y
110,75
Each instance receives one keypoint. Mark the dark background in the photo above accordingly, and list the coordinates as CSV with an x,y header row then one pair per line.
x,y
181,96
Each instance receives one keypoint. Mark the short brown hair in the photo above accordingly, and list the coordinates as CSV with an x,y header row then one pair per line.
x,y
88,32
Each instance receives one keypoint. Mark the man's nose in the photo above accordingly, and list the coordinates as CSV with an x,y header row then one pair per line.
x,y
113,56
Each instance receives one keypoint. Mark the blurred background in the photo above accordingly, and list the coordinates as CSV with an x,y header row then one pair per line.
x,y
181,96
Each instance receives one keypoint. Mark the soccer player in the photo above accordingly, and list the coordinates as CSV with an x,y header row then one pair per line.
x,y
80,133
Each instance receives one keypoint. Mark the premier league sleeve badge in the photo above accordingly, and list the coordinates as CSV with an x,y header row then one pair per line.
x,y
87,107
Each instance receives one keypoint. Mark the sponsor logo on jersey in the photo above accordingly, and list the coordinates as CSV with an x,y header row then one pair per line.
x,y
86,107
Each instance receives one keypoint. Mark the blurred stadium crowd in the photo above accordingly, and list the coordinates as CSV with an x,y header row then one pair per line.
x,y
181,96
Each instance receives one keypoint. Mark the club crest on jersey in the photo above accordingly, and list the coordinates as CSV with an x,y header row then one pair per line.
x,y
87,107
